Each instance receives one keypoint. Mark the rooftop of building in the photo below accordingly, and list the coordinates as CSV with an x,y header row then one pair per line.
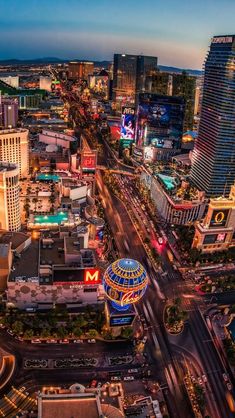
x,y
26,266
16,238
13,131
4,166
174,179
69,405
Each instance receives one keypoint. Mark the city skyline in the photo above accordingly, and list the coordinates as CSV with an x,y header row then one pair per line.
x,y
178,34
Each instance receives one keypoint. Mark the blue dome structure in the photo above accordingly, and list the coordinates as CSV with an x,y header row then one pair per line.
x,y
125,282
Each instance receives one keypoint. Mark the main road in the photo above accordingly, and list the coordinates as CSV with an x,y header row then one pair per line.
x,y
195,341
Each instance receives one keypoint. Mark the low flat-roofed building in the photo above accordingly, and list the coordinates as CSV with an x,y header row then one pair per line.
x,y
69,405
55,271
75,405
177,202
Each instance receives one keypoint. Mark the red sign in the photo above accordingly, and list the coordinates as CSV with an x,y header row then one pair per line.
x,y
81,277
88,162
92,276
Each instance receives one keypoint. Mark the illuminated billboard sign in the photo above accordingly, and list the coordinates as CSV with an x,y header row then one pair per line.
x,y
159,118
88,162
84,277
222,40
214,238
219,217
128,123
121,320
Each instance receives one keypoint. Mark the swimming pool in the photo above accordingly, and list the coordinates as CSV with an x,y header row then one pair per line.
x,y
168,181
48,177
51,219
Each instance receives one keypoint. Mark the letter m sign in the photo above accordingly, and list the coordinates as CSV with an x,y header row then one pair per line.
x,y
92,276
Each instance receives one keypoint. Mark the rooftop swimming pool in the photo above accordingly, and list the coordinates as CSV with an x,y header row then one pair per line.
x,y
48,177
51,219
168,181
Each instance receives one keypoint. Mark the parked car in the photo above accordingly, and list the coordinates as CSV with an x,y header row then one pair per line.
x,y
204,378
51,341
65,341
225,377
229,386
36,341
10,332
200,381
92,341
129,378
133,371
93,384
78,341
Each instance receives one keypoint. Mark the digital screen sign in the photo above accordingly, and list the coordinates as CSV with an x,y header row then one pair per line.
x,y
219,217
88,162
214,238
159,118
121,320
128,123
90,276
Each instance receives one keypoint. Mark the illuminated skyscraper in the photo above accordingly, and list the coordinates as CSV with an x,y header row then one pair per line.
x,y
213,163
9,197
14,148
131,75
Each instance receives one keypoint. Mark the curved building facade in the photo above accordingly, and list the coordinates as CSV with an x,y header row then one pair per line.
x,y
14,148
9,197
213,163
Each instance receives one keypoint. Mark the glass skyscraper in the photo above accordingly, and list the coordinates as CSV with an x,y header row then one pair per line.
x,y
213,162
131,75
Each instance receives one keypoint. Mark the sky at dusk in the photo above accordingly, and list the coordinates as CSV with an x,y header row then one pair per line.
x,y
177,31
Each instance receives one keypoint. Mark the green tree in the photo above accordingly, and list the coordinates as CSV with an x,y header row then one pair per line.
x,y
18,327
77,332
92,333
46,332
127,332
29,333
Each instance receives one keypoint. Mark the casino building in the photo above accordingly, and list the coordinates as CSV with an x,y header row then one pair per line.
x,y
217,230
61,271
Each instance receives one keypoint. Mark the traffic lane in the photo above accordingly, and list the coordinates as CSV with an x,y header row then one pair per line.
x,y
60,350
226,298
160,348
210,361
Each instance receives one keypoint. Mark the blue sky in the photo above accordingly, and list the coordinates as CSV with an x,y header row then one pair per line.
x,y
177,31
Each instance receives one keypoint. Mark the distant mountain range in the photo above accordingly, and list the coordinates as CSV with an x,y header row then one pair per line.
x,y
101,64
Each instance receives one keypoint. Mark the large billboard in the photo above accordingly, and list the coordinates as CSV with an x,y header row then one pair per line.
x,y
219,218
128,123
121,320
75,276
88,162
159,119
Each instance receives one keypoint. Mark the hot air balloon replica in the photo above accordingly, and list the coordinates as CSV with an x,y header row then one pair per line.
x,y
125,282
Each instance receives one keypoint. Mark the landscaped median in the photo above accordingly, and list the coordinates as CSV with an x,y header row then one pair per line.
x,y
223,283
174,317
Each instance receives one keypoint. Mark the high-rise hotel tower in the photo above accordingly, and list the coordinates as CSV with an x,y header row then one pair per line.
x,y
213,163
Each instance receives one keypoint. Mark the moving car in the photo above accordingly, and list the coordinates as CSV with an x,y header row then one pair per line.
x,y
160,240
